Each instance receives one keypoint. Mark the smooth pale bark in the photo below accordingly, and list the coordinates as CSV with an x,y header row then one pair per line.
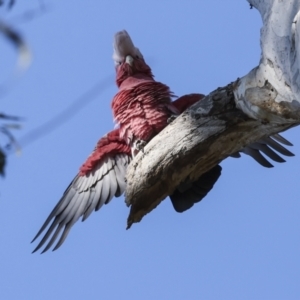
x,y
264,102
271,91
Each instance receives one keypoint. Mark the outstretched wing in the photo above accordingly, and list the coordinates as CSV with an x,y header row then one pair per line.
x,y
267,146
84,195
101,178
188,194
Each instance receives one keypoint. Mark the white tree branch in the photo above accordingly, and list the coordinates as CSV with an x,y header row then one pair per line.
x,y
264,102
278,70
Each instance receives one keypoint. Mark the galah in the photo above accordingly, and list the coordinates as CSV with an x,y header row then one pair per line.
x,y
141,108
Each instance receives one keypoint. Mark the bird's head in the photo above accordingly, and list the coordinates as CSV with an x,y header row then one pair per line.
x,y
129,61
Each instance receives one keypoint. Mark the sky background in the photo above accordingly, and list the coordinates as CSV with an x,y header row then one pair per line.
x,y
241,242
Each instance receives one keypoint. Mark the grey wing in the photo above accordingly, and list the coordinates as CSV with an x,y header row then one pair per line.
x,y
84,195
267,146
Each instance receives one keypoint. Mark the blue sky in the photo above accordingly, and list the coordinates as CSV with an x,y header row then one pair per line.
x,y
240,242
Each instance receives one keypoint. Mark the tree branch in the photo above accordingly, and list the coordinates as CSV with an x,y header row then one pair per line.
x,y
279,65
264,102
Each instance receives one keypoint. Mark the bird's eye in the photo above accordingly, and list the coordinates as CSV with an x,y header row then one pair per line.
x,y
118,63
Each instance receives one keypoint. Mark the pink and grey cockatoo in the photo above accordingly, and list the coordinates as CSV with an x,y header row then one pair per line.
x,y
141,108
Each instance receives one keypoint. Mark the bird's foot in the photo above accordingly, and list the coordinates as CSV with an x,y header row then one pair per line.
x,y
138,146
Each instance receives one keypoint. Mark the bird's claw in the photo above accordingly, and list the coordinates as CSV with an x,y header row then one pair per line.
x,y
138,146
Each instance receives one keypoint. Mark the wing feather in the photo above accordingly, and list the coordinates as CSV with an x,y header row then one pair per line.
x,y
276,146
52,240
267,146
279,138
257,156
85,194
94,197
105,192
114,183
120,176
267,151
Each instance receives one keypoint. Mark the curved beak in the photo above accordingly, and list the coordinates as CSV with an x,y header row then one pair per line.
x,y
129,60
